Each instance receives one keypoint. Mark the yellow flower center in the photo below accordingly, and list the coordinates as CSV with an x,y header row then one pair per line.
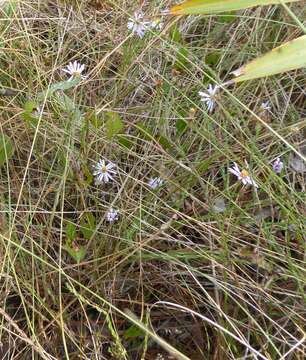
x,y
104,169
76,73
244,173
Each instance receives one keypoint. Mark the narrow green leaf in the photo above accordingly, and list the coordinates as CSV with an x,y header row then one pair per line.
x,y
181,62
88,225
30,119
217,6
164,142
180,125
114,125
70,232
144,131
212,58
63,85
88,174
289,56
29,106
125,142
174,34
132,332
227,18
94,119
6,149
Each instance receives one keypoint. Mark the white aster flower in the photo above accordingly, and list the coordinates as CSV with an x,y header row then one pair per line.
x,y
137,25
209,97
112,215
155,182
277,166
104,172
266,105
156,24
74,69
242,175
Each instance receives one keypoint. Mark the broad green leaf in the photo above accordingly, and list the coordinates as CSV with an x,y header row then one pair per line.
x,y
217,6
6,149
114,125
289,56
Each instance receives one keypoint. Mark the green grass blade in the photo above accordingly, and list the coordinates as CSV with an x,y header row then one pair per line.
x,y
216,6
289,56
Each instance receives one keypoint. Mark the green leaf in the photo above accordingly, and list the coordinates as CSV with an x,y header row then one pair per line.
x,y
70,232
87,173
29,106
164,142
88,225
217,6
180,125
132,332
175,34
63,85
181,62
125,142
30,119
6,149
289,56
94,120
228,17
114,125
212,58
144,131
76,252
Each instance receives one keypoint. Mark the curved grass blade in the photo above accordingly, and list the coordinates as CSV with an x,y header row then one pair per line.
x,y
216,6
289,56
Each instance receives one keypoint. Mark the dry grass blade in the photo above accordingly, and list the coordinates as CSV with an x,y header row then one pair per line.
x,y
23,336
170,349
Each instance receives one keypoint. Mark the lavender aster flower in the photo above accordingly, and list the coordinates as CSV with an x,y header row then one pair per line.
x,y
277,165
112,215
